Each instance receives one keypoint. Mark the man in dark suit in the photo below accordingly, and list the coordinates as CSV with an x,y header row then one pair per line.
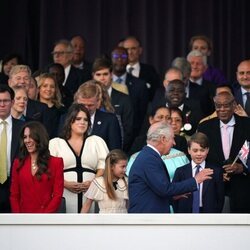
x,y
149,186
13,128
210,192
104,124
227,134
78,60
175,97
136,87
144,71
242,92
102,72
63,54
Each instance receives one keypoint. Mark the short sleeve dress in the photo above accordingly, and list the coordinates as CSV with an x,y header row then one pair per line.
x,y
97,192
79,168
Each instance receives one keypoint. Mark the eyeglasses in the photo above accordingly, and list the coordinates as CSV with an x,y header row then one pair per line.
x,y
59,53
5,101
224,105
122,56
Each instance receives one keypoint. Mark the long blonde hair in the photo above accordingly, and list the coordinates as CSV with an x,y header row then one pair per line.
x,y
113,157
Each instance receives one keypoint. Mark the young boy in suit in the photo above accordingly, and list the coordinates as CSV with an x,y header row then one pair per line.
x,y
209,198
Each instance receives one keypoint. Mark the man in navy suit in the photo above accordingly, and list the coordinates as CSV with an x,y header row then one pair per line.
x,y
242,92
13,127
136,87
102,72
211,192
150,189
104,124
138,69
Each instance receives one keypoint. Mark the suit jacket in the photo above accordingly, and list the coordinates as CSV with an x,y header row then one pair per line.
x,y
29,195
191,107
107,127
123,107
139,95
5,188
74,79
212,191
239,185
38,111
151,77
149,185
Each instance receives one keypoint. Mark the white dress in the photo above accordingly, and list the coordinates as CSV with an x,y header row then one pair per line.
x,y
79,168
97,192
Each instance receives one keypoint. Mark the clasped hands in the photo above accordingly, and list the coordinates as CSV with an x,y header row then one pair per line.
x,y
77,187
231,169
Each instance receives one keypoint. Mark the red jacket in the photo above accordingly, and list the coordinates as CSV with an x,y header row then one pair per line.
x,y
29,195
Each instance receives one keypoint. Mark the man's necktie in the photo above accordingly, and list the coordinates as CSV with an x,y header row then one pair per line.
x,y
130,70
247,104
225,141
119,80
3,153
196,195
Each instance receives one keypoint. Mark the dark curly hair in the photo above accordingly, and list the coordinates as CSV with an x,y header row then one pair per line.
x,y
39,134
73,110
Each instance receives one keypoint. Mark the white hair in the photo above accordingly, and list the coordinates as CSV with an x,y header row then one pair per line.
x,y
158,130
197,53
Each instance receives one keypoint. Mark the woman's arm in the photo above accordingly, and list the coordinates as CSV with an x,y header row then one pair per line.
x,y
86,206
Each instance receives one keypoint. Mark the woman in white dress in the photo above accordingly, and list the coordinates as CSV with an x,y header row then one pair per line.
x,y
111,189
83,156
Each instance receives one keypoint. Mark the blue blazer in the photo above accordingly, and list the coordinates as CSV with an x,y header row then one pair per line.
x,y
212,192
106,126
150,189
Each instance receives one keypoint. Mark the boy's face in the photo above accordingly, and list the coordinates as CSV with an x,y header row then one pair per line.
x,y
197,153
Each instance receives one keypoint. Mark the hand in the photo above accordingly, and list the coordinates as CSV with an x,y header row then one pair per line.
x,y
240,111
226,177
236,168
85,185
203,175
181,196
73,186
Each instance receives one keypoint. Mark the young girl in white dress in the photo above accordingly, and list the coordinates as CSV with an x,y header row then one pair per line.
x,y
111,189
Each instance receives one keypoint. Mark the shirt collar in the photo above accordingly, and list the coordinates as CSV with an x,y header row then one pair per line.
x,y
193,164
231,123
154,149
243,91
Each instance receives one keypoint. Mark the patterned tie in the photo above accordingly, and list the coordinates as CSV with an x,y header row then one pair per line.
x,y
196,194
119,80
225,141
247,104
3,154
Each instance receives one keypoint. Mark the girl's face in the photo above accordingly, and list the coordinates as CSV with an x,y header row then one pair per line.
x,y
176,122
48,89
29,141
80,125
20,101
119,169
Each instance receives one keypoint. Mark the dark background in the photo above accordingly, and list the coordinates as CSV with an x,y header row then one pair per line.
x,y
31,27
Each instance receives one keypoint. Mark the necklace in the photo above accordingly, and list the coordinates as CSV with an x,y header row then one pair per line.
x,y
33,165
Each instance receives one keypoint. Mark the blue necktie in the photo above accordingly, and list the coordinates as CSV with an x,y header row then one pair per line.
x,y
119,80
196,195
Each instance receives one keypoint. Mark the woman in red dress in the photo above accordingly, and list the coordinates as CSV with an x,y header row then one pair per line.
x,y
37,177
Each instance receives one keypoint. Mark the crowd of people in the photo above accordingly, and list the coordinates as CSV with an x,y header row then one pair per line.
x,y
113,137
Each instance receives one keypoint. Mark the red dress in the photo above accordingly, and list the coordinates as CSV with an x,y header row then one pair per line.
x,y
30,195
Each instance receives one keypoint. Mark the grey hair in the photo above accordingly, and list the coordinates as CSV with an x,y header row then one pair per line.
x,y
19,68
175,69
197,53
66,43
158,130
183,64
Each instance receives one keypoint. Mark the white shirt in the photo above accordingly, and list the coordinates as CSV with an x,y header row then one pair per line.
x,y
66,72
154,149
9,138
136,69
203,164
123,77
244,96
